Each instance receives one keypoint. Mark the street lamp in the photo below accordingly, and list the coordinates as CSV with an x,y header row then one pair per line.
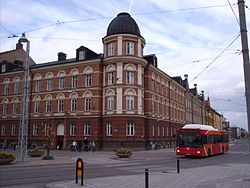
x,y
23,128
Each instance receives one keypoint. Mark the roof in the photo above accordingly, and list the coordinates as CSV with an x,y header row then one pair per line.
x,y
123,24
198,126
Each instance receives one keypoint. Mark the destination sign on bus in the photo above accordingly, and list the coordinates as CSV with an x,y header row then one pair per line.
x,y
189,131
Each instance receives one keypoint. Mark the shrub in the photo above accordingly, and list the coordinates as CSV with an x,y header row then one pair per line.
x,y
36,151
6,155
124,151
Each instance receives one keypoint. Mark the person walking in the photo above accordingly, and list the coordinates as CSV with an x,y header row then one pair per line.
x,y
92,146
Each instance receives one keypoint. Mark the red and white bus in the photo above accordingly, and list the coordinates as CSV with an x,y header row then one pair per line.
x,y
201,140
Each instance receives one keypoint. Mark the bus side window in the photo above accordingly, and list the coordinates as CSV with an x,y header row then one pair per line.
x,y
204,139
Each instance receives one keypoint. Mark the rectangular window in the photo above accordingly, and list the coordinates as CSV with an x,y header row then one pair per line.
x,y
13,130
82,55
158,130
110,78
110,102
109,129
167,131
47,129
87,104
5,108
88,80
60,105
35,129
15,107
129,48
6,89
72,129
87,129
16,87
153,106
130,102
163,131
73,105
37,106
130,129
130,77
153,130
74,82
61,83
3,130
111,49
49,84
37,85
3,68
48,106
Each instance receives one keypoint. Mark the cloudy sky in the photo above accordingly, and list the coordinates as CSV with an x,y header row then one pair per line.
x,y
188,37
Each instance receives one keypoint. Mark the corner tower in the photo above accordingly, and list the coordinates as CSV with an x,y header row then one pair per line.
x,y
123,73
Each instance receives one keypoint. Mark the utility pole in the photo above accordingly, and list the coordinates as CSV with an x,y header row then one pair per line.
x,y
246,63
23,128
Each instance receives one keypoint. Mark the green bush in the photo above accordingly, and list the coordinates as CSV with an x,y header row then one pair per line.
x,y
6,155
36,151
124,151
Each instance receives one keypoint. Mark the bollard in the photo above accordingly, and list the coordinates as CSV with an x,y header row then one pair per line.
x,y
178,166
146,178
79,170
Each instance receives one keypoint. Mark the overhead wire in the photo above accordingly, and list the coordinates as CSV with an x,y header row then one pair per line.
x,y
215,58
233,12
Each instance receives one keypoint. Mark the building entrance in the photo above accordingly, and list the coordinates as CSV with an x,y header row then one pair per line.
x,y
59,136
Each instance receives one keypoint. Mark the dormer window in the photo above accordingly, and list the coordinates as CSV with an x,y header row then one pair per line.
x,y
82,55
3,68
129,48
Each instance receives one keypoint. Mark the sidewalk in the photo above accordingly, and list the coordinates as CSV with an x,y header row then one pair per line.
x,y
221,176
233,176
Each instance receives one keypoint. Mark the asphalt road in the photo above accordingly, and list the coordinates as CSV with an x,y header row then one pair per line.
x,y
156,161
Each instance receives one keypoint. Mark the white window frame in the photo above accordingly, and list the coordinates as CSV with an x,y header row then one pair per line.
x,y
37,85
72,129
6,88
36,106
88,80
61,82
111,49
47,129
130,128
130,77
49,84
3,67
74,81
130,48
3,130
16,87
110,103
15,107
130,102
13,129
110,78
73,105
5,108
109,129
87,129
35,129
48,104
60,105
87,106
82,55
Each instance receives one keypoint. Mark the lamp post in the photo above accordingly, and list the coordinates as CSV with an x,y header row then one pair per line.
x,y
23,128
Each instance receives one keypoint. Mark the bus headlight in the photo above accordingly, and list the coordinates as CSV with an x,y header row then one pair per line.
x,y
198,152
178,150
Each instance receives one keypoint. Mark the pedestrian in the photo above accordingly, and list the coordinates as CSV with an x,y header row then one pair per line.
x,y
74,146
92,146
86,144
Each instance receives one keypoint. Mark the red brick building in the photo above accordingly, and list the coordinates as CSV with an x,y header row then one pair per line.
x,y
116,96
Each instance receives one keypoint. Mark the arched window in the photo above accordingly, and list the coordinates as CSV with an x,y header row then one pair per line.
x,y
87,101
73,97
48,103
6,86
37,100
15,106
88,72
110,74
130,99
5,106
110,99
37,80
49,76
60,102
61,79
130,73
16,85
74,78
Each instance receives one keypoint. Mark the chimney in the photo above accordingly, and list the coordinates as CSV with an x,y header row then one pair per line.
x,y
186,76
202,95
19,45
61,56
195,85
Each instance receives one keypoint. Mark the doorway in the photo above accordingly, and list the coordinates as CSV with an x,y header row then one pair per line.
x,y
59,136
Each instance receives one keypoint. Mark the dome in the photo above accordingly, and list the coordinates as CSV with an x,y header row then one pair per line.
x,y
123,24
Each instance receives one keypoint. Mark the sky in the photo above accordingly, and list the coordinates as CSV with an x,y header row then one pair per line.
x,y
196,37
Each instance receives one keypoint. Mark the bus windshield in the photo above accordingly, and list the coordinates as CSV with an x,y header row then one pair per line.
x,y
187,140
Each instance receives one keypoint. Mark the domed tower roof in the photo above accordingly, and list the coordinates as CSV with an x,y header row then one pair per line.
x,y
123,24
